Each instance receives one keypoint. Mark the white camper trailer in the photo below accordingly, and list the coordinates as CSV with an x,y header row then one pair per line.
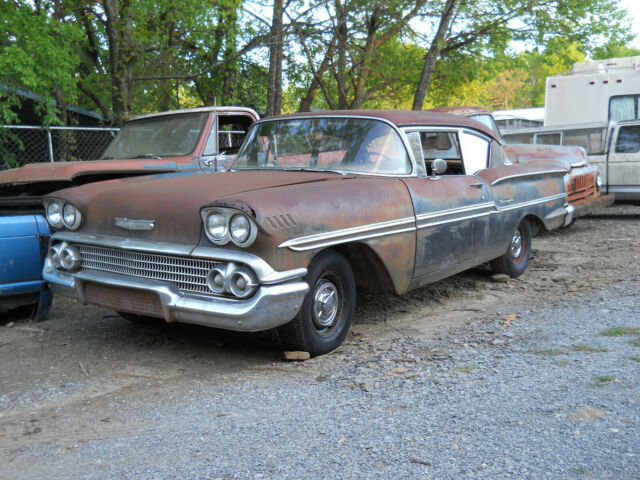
x,y
595,91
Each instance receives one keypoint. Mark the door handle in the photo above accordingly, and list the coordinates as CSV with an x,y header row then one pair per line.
x,y
477,185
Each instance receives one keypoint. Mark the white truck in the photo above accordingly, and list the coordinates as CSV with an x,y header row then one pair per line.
x,y
594,92
613,147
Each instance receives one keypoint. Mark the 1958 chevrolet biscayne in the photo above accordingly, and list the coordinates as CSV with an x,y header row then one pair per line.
x,y
315,204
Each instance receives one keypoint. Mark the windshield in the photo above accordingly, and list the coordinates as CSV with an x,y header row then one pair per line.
x,y
169,135
342,144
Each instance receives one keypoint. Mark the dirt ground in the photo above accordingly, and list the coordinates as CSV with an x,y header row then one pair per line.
x,y
58,377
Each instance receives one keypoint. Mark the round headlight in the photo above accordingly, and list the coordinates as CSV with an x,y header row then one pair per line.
x,y
243,283
240,228
599,181
54,214
217,226
69,215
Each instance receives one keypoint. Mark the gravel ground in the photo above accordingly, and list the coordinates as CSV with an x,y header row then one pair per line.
x,y
533,378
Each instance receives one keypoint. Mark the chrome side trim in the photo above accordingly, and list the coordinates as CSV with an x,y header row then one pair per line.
x,y
363,232
529,174
453,211
266,274
135,223
452,220
559,196
375,230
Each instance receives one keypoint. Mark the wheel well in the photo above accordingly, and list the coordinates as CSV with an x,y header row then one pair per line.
x,y
368,268
537,225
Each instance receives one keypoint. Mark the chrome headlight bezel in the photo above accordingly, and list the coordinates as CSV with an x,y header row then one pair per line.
x,y
228,214
74,221
53,212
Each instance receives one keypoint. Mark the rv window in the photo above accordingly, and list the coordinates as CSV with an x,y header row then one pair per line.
x,y
628,139
624,107
591,139
549,138
515,138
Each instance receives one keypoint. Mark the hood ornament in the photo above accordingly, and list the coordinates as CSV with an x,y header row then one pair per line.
x,y
135,223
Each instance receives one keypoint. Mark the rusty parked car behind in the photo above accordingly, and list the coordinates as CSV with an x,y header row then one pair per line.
x,y
315,204
583,181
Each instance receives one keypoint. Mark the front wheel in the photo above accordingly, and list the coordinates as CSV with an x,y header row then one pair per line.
x,y
326,314
514,261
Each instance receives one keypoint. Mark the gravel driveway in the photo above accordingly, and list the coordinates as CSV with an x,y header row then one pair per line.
x,y
468,378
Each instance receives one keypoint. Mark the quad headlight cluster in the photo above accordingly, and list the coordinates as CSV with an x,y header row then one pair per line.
x,y
61,214
224,225
63,255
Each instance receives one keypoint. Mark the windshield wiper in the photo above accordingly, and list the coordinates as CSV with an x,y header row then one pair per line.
x,y
309,169
149,155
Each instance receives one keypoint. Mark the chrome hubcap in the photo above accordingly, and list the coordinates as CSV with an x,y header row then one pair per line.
x,y
325,304
516,245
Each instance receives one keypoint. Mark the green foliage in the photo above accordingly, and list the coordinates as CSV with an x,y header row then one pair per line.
x,y
37,55
163,54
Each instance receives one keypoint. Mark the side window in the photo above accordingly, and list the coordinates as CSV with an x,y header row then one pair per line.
x,y
442,145
624,107
416,149
498,157
210,147
549,138
231,132
591,140
628,139
475,152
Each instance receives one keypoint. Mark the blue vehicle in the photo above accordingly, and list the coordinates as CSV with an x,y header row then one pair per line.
x,y
23,246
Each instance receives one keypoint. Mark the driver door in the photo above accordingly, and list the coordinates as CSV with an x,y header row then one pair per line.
x,y
452,209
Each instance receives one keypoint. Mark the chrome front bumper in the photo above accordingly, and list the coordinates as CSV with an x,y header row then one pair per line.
x,y
272,305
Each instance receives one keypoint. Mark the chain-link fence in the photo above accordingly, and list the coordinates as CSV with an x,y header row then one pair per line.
x,y
21,144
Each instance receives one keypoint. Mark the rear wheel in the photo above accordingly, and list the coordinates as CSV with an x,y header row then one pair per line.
x,y
326,314
514,261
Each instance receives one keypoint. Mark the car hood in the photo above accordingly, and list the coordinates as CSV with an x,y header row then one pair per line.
x,y
172,201
69,173
563,156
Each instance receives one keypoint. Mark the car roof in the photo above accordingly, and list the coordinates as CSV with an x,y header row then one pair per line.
x,y
210,108
402,118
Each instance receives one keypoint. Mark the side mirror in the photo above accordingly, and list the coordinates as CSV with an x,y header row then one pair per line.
x,y
438,167
214,161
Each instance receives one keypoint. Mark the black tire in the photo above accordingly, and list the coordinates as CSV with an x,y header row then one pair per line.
x,y
139,319
322,324
514,261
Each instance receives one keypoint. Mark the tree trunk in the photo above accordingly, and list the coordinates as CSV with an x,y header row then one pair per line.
x,y
276,39
119,30
431,58
341,68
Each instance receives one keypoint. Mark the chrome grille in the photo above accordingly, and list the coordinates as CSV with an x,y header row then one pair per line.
x,y
187,273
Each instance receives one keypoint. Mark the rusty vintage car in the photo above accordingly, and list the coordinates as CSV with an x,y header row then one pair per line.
x,y
583,181
180,140
315,205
